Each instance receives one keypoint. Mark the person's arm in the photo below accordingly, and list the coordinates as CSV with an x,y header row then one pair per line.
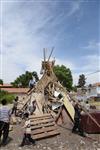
x,y
10,112
25,124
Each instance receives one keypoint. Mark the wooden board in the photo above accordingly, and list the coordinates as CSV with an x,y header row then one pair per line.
x,y
41,121
45,135
43,126
40,116
43,129
68,106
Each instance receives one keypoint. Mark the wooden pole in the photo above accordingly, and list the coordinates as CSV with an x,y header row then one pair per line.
x,y
50,54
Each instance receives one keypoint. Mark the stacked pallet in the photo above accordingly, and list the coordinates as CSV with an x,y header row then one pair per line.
x,y
43,126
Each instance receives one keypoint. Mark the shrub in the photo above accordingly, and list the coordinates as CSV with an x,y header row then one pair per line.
x,y
7,96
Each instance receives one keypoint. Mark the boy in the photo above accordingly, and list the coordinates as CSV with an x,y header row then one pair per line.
x,y
27,132
15,103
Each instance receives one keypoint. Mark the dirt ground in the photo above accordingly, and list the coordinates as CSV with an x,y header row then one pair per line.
x,y
65,141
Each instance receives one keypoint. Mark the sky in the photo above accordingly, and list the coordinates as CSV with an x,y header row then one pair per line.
x,y
72,27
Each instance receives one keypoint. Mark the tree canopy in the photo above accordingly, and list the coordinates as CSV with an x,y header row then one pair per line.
x,y
64,75
1,81
82,80
23,80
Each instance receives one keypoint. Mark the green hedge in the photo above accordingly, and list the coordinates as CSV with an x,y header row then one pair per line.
x,y
7,96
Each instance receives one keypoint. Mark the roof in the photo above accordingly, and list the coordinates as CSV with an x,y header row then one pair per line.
x,y
16,90
96,84
5,85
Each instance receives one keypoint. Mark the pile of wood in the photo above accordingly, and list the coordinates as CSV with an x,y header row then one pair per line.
x,y
43,126
47,102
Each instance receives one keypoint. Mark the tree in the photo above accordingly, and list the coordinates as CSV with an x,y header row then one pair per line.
x,y
23,80
1,81
82,80
75,88
5,95
64,76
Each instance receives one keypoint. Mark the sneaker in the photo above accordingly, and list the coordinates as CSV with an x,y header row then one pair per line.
x,y
82,134
3,143
74,131
21,145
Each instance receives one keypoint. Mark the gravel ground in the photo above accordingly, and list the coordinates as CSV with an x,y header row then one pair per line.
x,y
65,141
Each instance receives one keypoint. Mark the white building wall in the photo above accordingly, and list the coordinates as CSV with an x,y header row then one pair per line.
x,y
93,91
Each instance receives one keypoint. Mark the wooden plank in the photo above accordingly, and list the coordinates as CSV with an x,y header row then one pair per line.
x,y
69,107
39,116
41,121
42,125
42,118
44,129
45,135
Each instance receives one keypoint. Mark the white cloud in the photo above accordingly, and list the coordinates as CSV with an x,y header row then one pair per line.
x,y
92,45
75,6
29,27
22,44
92,62
90,68
66,63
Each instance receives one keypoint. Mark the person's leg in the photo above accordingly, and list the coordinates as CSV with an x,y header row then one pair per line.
x,y
75,125
5,132
0,134
1,128
24,140
80,129
15,111
12,111
30,139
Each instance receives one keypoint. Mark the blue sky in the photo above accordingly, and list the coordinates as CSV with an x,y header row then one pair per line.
x,y
72,27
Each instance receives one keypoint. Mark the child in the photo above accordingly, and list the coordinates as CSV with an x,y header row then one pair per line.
x,y
14,109
27,132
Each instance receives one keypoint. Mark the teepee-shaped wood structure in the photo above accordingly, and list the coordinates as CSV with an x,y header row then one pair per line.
x,y
44,121
47,81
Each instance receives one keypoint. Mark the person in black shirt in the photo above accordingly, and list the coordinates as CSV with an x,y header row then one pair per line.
x,y
77,120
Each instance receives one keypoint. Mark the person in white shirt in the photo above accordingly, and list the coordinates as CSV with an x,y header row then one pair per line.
x,y
32,107
32,82
15,104
87,106
27,131
5,113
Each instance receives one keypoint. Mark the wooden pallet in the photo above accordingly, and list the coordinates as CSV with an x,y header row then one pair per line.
x,y
43,126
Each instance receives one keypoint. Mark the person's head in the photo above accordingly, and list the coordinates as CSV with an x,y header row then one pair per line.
x,y
76,106
4,102
34,102
16,99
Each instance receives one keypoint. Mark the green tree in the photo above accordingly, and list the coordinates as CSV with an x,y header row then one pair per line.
x,y
23,80
75,88
1,81
64,76
7,96
82,80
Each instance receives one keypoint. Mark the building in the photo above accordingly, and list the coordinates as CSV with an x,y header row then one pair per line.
x,y
93,90
16,91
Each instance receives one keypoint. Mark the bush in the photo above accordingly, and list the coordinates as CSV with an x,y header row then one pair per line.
x,y
7,96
